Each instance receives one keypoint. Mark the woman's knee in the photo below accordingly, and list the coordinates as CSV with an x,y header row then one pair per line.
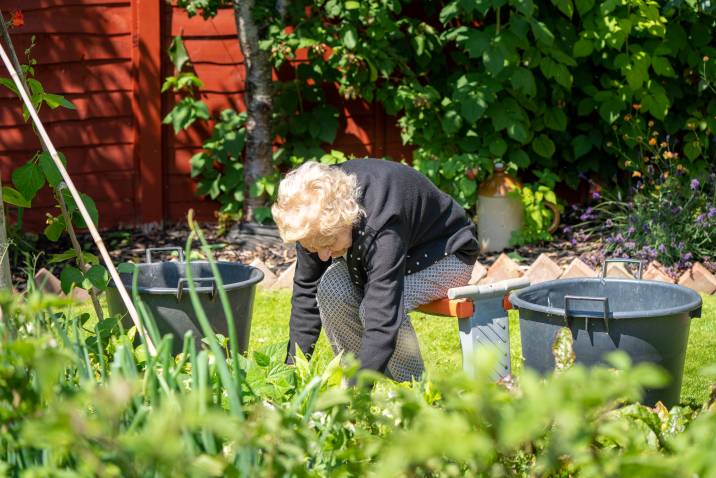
x,y
335,285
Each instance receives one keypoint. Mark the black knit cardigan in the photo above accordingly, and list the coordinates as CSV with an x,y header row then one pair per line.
x,y
409,225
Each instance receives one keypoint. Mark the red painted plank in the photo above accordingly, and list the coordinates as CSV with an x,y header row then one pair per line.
x,y
221,78
59,48
27,5
179,164
111,214
218,50
80,160
147,104
71,133
82,77
223,24
98,19
88,105
203,211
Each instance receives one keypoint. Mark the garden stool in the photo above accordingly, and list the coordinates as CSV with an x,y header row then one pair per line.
x,y
482,318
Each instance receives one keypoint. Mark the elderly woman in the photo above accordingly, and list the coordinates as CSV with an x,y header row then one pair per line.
x,y
375,239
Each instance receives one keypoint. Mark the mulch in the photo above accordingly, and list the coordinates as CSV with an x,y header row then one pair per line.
x,y
244,243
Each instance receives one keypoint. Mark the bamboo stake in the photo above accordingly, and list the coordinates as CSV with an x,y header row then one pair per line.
x,y
60,198
80,204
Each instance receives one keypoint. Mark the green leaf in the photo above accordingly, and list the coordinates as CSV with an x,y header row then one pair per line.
x,y
692,150
583,6
543,146
14,197
352,5
325,123
98,277
656,104
542,33
662,67
524,81
582,47
494,59
350,38
581,145
53,101
126,267
477,42
519,132
554,118
62,257
10,85
177,53
519,157
525,7
611,109
91,209
451,122
498,147
70,276
28,179
49,169
55,228
565,6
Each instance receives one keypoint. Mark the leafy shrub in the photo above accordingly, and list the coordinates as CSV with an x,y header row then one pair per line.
x,y
78,401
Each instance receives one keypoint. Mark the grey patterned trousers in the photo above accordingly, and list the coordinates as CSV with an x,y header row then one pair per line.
x,y
342,312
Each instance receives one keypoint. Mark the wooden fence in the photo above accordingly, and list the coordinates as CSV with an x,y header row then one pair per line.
x,y
109,58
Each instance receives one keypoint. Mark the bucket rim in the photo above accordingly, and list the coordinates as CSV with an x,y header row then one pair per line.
x,y
255,277
694,304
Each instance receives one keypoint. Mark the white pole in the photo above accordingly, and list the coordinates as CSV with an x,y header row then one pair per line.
x,y
80,204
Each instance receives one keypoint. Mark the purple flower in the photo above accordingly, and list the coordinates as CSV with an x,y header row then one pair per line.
x,y
586,215
687,256
609,223
646,228
630,245
573,242
631,230
695,184
596,195
701,218
619,238
567,229
662,248
712,213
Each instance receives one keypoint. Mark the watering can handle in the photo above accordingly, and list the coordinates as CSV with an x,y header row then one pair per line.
x,y
603,300
183,284
556,217
616,260
149,252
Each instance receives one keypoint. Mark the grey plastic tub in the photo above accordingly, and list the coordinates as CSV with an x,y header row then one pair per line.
x,y
163,287
646,319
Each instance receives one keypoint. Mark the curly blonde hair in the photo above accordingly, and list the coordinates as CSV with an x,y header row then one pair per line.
x,y
315,202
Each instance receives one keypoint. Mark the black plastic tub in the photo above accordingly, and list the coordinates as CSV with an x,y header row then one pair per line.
x,y
164,289
648,320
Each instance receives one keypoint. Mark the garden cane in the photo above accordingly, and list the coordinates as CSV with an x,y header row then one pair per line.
x,y
80,204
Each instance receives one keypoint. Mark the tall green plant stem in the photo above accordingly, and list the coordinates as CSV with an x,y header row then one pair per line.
x,y
63,207
5,277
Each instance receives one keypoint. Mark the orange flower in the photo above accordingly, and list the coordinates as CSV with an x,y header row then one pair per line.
x,y
17,19
636,106
652,142
636,174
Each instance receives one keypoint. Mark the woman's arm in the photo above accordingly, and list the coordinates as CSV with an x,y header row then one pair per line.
x,y
305,322
383,299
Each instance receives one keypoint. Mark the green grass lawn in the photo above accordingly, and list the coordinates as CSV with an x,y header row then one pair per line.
x,y
440,343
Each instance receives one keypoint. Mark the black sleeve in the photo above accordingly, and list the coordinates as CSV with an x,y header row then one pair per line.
x,y
305,322
383,299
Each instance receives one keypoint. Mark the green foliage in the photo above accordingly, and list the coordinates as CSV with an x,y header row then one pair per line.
x,y
538,201
77,399
540,85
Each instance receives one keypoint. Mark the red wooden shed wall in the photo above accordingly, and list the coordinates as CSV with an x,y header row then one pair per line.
x,y
109,58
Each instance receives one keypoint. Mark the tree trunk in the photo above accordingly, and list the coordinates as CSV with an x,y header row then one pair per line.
x,y
258,161
5,276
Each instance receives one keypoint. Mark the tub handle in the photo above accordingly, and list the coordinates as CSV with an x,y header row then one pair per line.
x,y
148,259
183,285
603,300
616,260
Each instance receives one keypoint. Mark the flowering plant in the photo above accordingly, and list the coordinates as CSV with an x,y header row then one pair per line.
x,y
669,216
